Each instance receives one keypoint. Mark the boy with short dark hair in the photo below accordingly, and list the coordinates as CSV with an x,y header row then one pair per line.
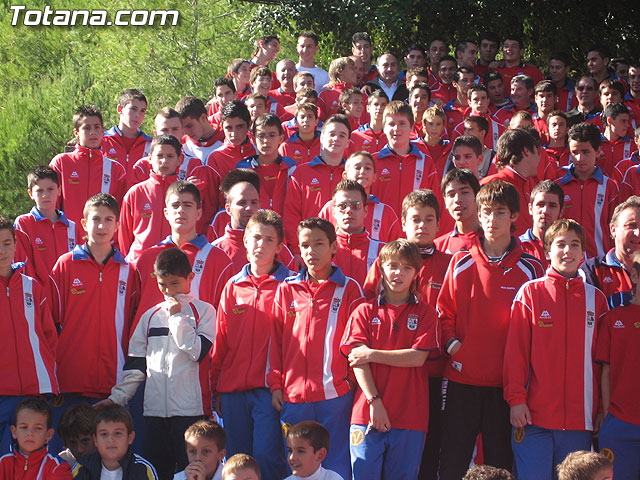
x,y
545,207
29,457
49,231
113,436
557,148
381,221
459,189
142,223
126,143
419,100
261,81
205,444
434,142
75,429
85,172
544,95
257,105
401,166
351,103
303,145
241,467
312,308
554,322
224,90
495,268
201,137
93,277
167,347
590,196
387,342
274,170
467,153
307,47
370,137
307,446
585,465
512,51
243,324
616,145
617,351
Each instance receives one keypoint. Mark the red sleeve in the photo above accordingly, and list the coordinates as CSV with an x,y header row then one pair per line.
x,y
357,329
517,358
603,345
62,471
135,287
446,305
225,275
46,320
275,375
371,286
125,230
426,338
292,214
220,346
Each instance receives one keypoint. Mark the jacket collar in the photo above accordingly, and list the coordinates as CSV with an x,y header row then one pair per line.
x,y
303,275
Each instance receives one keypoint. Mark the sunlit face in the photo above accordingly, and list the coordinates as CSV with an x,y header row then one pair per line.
x,y
31,430
465,157
354,106
557,128
446,71
315,249
398,275
89,132
634,79
271,49
302,458
112,440
397,128
496,221
586,91
224,94
235,130
544,209
256,107
419,101
545,101
469,56
584,158
608,96
620,124
511,51
132,114
101,224
164,159
205,451
262,244
304,81
172,285
479,102
243,201
262,84
45,194
388,68
466,81
434,126
307,121
349,211
268,138
520,96
169,126
360,168
335,138
626,232
348,74
307,49
182,212
7,249
460,201
565,253
375,107
362,49
285,71
420,225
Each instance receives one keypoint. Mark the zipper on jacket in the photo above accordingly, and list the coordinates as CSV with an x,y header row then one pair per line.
x,y
100,276
566,341
26,463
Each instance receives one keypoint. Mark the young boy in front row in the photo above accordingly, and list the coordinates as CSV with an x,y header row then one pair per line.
x,y
76,432
307,446
484,279
586,465
387,341
618,350
205,441
312,309
167,347
114,459
241,467
549,361
49,231
30,457
241,350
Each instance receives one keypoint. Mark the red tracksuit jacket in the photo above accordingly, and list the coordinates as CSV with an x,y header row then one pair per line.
x,y
533,246
273,180
398,175
94,306
356,253
28,336
202,150
474,306
83,173
142,221
298,150
225,158
114,148
243,331
142,168
310,187
48,240
305,360
364,138
550,353
40,465
591,203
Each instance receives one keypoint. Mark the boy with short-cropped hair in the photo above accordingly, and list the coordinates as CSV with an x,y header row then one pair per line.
x,y
113,436
459,189
517,159
370,137
235,119
243,324
590,196
29,457
224,90
419,99
85,172
29,368
494,268
545,207
467,153
261,83
351,103
93,277
167,347
556,316
312,308
585,465
126,143
434,143
205,444
241,467
303,145
76,429
356,251
142,223
273,169
401,165
381,221
617,351
616,145
307,446
257,105
387,341
201,138
544,95
49,231
557,148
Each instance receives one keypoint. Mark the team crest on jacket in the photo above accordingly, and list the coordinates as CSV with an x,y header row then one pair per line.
x,y
591,319
418,175
335,304
412,322
198,266
122,287
599,199
72,243
28,300
106,178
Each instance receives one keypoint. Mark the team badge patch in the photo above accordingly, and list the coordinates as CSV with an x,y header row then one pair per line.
x,y
357,437
608,453
28,300
518,435
122,288
418,175
198,266
591,319
412,322
285,428
376,225
106,178
599,199
335,304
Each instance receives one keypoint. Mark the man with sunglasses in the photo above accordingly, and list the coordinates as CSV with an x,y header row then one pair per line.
x,y
587,109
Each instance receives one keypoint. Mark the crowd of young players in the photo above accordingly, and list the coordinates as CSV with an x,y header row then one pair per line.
x,y
472,160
